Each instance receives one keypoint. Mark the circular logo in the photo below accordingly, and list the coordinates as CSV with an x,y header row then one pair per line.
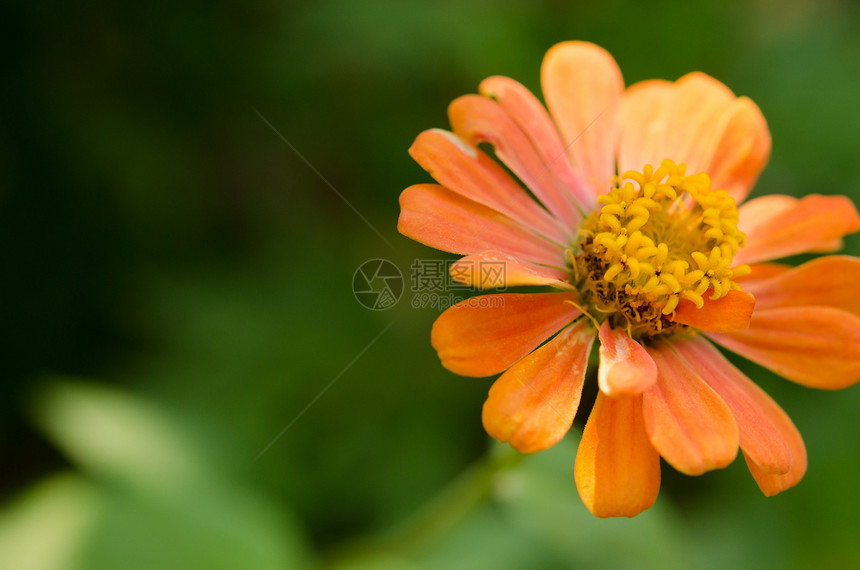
x,y
377,284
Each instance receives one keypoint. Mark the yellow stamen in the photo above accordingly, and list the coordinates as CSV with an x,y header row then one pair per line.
x,y
660,236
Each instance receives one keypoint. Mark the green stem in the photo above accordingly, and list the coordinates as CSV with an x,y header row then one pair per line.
x,y
430,524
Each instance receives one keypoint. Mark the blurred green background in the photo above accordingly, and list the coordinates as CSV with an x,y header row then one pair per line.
x,y
177,289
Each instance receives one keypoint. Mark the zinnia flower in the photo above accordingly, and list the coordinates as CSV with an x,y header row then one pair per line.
x,y
630,215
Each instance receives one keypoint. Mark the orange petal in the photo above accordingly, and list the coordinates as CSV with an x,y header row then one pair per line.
x,y
440,218
756,214
741,150
484,335
533,404
827,281
726,314
760,272
626,369
779,226
642,124
582,86
533,119
763,427
687,422
617,470
694,118
479,119
469,171
490,269
683,121
814,346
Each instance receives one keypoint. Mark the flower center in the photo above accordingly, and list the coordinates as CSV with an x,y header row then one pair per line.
x,y
660,237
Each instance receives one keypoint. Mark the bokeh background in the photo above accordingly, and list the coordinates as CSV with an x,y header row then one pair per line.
x,y
177,289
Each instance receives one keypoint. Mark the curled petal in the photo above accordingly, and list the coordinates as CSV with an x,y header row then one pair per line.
x,y
490,269
533,119
468,170
533,404
726,314
687,422
778,226
440,218
626,369
582,86
617,470
830,281
484,335
818,347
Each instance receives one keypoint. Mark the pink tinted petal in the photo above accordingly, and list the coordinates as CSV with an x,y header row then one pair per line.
x,y
582,86
779,226
533,404
440,218
761,438
626,369
533,119
687,422
818,347
484,335
479,119
741,150
699,122
642,125
830,281
469,171
490,269
693,120
617,469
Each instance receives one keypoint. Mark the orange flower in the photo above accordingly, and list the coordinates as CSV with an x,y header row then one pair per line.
x,y
646,257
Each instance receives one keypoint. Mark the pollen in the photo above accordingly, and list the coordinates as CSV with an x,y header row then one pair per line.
x,y
659,237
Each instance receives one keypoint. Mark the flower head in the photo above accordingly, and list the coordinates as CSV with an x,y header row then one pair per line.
x,y
629,208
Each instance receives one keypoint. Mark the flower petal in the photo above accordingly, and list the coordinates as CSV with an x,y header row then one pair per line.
x,y
533,119
684,121
469,171
582,86
478,119
484,335
626,369
827,281
764,428
726,314
741,150
617,470
760,272
779,226
642,124
490,269
533,404
440,218
814,346
697,121
699,102
687,422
